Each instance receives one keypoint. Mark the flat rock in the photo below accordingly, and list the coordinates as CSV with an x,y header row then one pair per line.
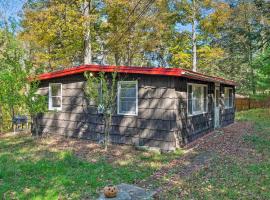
x,y
130,192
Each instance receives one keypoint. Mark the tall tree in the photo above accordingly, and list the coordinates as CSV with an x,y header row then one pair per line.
x,y
194,45
241,39
194,41
87,7
13,75
58,32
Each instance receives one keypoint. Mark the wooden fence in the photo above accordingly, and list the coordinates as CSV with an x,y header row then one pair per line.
x,y
247,103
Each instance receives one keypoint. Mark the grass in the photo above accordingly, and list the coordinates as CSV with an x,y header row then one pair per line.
x,y
229,176
29,170
233,178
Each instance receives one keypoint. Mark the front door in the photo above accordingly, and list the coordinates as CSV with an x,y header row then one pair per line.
x,y
217,107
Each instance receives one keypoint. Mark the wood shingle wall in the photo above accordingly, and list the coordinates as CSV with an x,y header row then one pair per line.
x,y
162,119
155,124
192,127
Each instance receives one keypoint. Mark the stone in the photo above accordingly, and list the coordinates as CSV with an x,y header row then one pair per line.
x,y
147,148
130,192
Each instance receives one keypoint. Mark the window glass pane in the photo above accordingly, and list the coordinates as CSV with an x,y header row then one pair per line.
x,y
227,102
128,85
128,106
228,97
127,98
55,90
197,99
190,106
197,92
128,92
56,102
197,105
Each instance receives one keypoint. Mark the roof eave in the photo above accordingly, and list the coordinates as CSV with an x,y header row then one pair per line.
x,y
177,72
196,76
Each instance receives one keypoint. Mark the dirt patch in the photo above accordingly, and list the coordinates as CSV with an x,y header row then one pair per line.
x,y
228,141
89,150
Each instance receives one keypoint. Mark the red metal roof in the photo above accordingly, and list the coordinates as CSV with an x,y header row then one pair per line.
x,y
134,70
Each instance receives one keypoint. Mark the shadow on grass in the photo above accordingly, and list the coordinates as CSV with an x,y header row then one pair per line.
x,y
31,171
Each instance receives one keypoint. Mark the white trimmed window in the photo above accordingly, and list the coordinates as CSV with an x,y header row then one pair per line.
x,y
197,99
228,97
55,96
127,98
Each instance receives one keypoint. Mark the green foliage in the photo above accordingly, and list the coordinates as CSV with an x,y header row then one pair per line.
x,y
101,89
262,66
12,77
230,35
243,36
54,31
11,89
15,92
35,103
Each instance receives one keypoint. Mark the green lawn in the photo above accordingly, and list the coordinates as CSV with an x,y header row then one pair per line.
x,y
29,170
237,177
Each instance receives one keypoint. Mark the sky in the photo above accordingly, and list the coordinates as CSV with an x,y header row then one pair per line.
x,y
11,8
10,11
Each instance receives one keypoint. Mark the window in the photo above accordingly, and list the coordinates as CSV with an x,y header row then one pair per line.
x,y
127,98
55,96
228,97
197,99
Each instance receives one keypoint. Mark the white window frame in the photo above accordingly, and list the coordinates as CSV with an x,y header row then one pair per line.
x,y
228,88
197,112
118,98
50,97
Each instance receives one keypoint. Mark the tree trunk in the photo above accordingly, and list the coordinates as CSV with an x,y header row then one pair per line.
x,y
253,82
117,59
87,35
34,125
194,45
107,128
250,62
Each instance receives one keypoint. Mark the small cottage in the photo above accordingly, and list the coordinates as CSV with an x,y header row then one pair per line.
x,y
165,107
